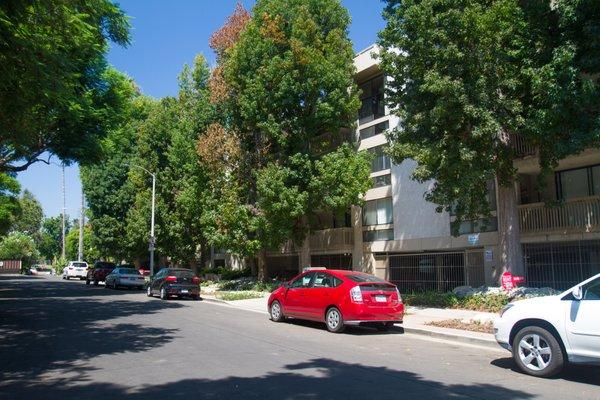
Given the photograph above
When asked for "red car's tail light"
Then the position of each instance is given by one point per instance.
(196, 280)
(171, 278)
(399, 297)
(356, 294)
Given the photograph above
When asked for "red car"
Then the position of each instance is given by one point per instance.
(338, 298)
(98, 272)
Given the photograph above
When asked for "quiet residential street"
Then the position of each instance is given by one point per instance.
(63, 340)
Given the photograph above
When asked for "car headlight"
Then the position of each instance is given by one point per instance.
(506, 308)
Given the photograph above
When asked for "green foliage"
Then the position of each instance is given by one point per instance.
(57, 93)
(471, 74)
(9, 202)
(242, 295)
(50, 241)
(30, 218)
(90, 253)
(478, 302)
(59, 264)
(19, 246)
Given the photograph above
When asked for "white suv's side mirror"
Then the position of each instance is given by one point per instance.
(578, 293)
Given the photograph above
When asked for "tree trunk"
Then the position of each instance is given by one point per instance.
(262, 266)
(509, 230)
(304, 258)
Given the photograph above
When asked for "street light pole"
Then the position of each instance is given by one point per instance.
(64, 210)
(152, 240)
(151, 246)
(81, 224)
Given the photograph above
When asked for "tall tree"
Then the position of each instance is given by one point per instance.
(291, 88)
(109, 193)
(9, 201)
(30, 218)
(57, 93)
(470, 75)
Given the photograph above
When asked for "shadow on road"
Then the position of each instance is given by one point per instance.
(57, 325)
(319, 378)
(588, 374)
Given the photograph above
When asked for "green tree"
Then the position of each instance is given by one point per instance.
(109, 193)
(50, 244)
(30, 218)
(9, 201)
(90, 253)
(291, 88)
(57, 93)
(469, 75)
(19, 246)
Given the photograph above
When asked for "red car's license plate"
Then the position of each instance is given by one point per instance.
(380, 298)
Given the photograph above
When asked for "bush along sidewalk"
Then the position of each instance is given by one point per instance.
(488, 299)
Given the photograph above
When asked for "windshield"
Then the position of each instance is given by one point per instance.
(128, 271)
(79, 265)
(364, 278)
(181, 273)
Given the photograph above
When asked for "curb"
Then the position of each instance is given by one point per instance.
(451, 336)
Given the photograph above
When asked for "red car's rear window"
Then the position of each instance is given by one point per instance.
(364, 278)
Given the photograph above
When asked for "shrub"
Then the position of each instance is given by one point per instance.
(239, 295)
(478, 302)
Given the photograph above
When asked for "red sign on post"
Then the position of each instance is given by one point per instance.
(510, 281)
(507, 281)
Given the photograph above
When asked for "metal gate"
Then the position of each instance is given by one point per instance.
(439, 272)
(561, 265)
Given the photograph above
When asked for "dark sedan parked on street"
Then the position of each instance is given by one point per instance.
(179, 282)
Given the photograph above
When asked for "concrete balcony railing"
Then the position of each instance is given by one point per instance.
(323, 240)
(523, 149)
(574, 215)
(332, 239)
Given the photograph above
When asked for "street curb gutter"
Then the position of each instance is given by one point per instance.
(415, 331)
(455, 338)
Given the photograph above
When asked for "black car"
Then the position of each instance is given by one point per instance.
(170, 282)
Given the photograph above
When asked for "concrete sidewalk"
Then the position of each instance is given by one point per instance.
(415, 320)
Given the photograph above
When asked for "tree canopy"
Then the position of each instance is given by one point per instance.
(9, 201)
(57, 93)
(31, 215)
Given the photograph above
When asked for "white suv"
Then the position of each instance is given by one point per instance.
(544, 333)
(75, 269)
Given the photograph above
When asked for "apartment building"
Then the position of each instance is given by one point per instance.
(399, 236)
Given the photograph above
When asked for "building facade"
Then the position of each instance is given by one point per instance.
(399, 236)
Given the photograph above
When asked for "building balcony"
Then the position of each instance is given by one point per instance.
(573, 216)
(325, 240)
(332, 239)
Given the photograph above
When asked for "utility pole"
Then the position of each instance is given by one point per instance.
(81, 225)
(64, 210)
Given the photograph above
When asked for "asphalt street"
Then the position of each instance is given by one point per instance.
(65, 340)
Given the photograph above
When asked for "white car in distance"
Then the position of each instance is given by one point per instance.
(545, 333)
(75, 269)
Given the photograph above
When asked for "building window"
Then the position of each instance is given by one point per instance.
(380, 160)
(382, 180)
(371, 98)
(374, 130)
(478, 226)
(378, 212)
(580, 182)
(382, 234)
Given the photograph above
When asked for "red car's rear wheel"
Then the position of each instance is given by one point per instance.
(334, 320)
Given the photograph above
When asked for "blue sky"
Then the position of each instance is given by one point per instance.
(166, 35)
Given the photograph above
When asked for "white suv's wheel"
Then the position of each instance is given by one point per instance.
(537, 352)
(334, 320)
